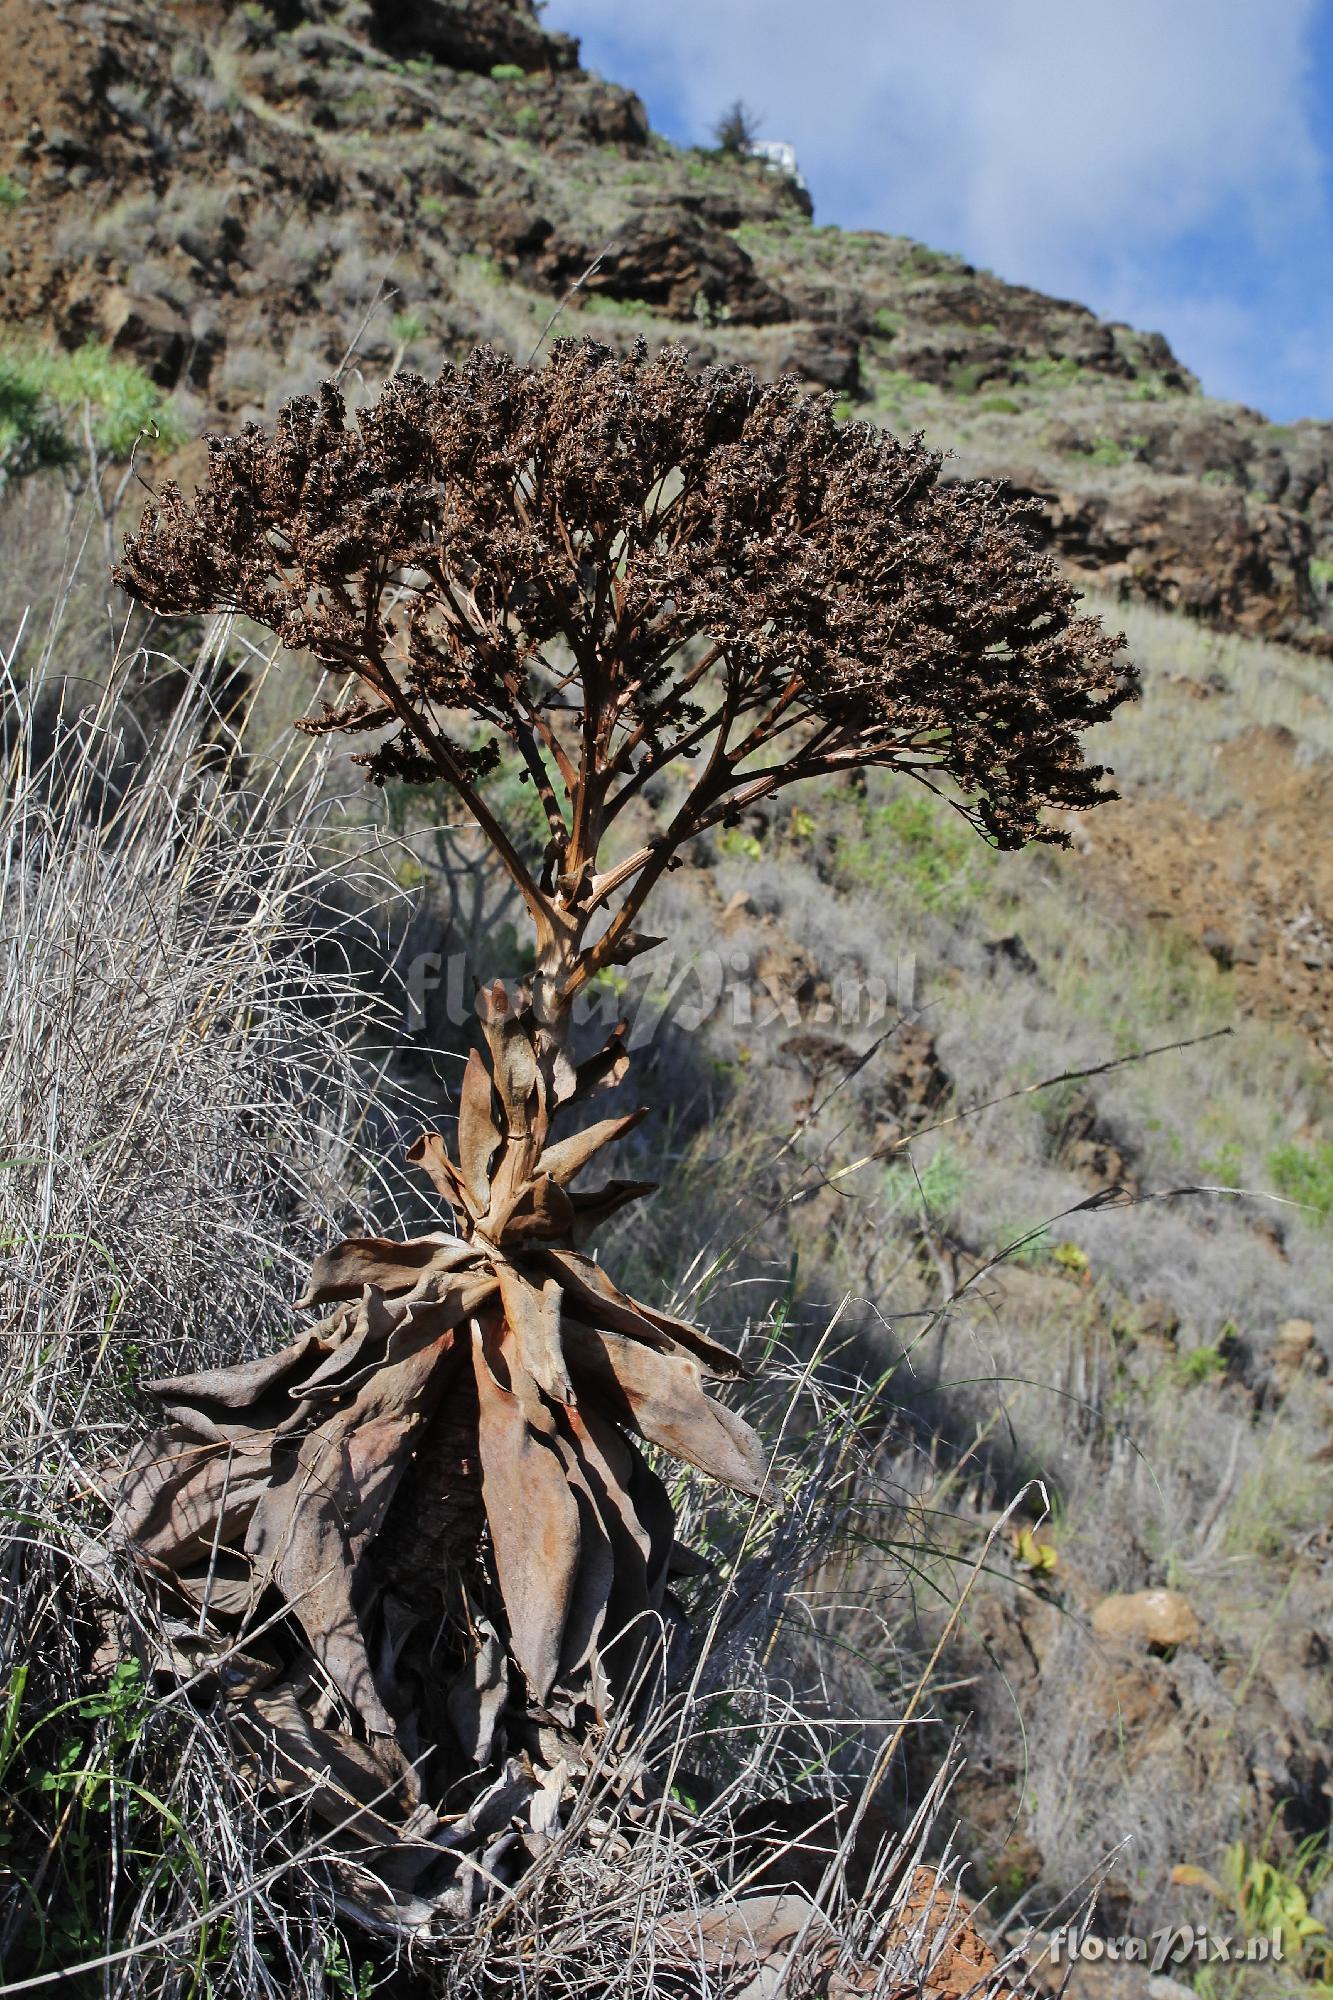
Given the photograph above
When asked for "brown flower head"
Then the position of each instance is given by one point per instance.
(609, 563)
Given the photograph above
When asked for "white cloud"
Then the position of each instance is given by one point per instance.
(1115, 153)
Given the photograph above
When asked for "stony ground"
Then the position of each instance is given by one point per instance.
(245, 198)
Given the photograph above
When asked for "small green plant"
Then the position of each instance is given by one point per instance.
(47, 396)
(1069, 1257)
(1000, 406)
(1031, 1245)
(486, 268)
(1201, 1364)
(885, 323)
(915, 844)
(626, 308)
(1271, 1898)
(1051, 368)
(923, 263)
(1321, 572)
(1037, 1557)
(1305, 1174)
(348, 1981)
(407, 327)
(430, 207)
(738, 846)
(1225, 1167)
(508, 73)
(12, 192)
(966, 377)
(937, 1187)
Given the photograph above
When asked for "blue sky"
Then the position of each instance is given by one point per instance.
(1167, 162)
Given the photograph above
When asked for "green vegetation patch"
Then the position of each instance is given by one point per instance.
(46, 396)
(12, 192)
(1305, 1174)
(915, 844)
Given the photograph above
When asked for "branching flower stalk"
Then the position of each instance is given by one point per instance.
(605, 567)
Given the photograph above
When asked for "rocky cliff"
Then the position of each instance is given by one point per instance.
(238, 195)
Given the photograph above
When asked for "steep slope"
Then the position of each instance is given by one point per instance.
(245, 198)
(225, 191)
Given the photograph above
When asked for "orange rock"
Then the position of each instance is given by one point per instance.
(1146, 1619)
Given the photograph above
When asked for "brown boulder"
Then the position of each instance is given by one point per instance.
(1293, 1353)
(146, 331)
(678, 262)
(1146, 1620)
(826, 357)
(471, 34)
(914, 1081)
(1210, 551)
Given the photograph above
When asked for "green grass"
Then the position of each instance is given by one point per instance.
(966, 377)
(1201, 1364)
(915, 843)
(12, 192)
(937, 1187)
(45, 393)
(1305, 1174)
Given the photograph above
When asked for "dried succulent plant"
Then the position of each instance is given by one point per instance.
(607, 564)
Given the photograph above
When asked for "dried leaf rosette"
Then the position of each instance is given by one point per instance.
(423, 1542)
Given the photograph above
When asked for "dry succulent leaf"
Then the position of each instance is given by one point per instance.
(568, 1157)
(174, 1490)
(308, 1532)
(392, 1267)
(509, 1037)
(603, 1456)
(478, 1134)
(229, 1403)
(222, 1587)
(652, 1504)
(541, 1212)
(476, 1699)
(595, 1578)
(593, 1207)
(602, 1301)
(430, 1153)
(350, 1786)
(602, 1071)
(534, 1522)
(661, 1396)
(532, 1310)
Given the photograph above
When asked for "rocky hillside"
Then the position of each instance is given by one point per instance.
(242, 199)
(225, 192)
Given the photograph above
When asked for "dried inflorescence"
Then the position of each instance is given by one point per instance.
(611, 563)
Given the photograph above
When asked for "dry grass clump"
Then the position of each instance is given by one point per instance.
(183, 1082)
